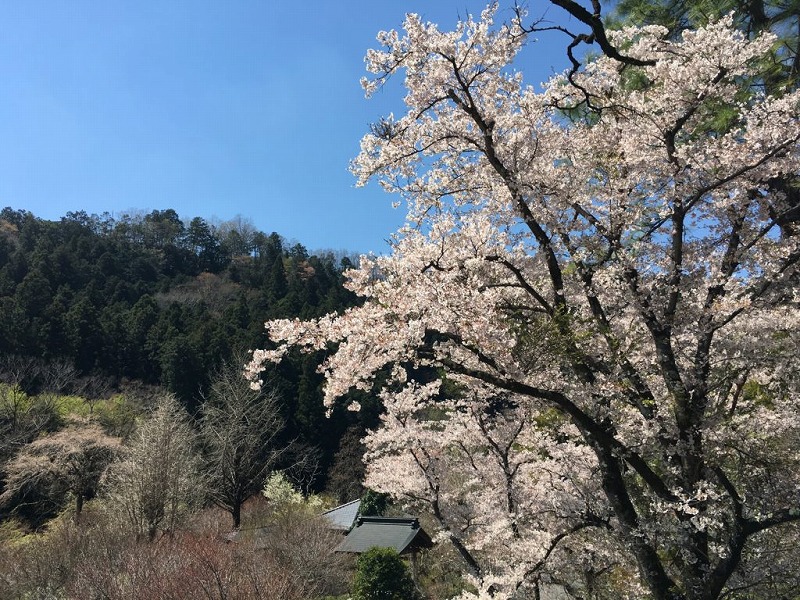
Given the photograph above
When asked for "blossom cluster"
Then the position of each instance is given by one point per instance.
(600, 270)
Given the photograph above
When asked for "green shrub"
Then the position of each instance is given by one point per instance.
(373, 504)
(382, 575)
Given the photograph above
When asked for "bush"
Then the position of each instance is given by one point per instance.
(382, 575)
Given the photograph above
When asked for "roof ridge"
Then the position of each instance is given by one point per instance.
(378, 519)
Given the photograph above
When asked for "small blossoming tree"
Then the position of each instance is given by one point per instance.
(599, 274)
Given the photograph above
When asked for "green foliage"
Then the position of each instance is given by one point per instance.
(756, 394)
(284, 497)
(160, 300)
(75, 406)
(373, 504)
(11, 532)
(634, 79)
(22, 418)
(347, 467)
(439, 573)
(117, 415)
(13, 398)
(782, 17)
(382, 575)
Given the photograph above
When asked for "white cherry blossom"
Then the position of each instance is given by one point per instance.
(598, 271)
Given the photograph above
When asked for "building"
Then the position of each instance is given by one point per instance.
(403, 534)
(342, 518)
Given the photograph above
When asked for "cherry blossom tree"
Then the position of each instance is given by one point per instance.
(597, 274)
(71, 460)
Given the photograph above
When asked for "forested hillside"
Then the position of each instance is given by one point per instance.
(162, 300)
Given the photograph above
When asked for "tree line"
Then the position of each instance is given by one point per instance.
(155, 300)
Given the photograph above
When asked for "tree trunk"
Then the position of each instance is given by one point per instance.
(78, 506)
(236, 514)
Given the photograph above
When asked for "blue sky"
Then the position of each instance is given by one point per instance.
(213, 108)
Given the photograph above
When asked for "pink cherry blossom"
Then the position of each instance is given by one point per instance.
(602, 277)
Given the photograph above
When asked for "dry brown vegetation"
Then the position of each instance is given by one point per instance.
(96, 558)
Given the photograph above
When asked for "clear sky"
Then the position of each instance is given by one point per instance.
(212, 108)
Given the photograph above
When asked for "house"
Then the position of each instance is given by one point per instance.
(403, 534)
(342, 518)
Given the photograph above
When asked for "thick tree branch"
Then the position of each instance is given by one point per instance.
(594, 432)
(591, 521)
(598, 31)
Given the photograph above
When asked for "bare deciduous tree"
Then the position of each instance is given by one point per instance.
(239, 430)
(159, 480)
(29, 388)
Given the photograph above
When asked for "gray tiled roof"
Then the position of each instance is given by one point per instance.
(402, 534)
(342, 517)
